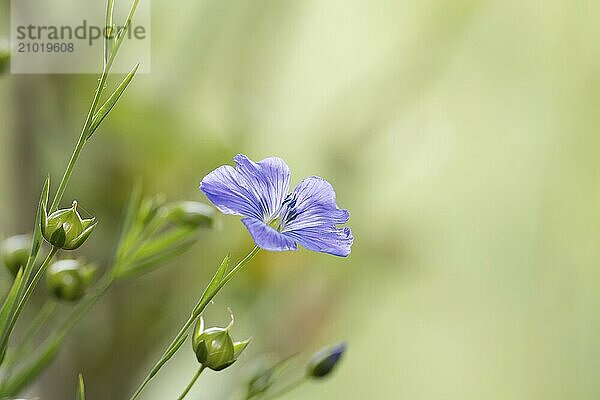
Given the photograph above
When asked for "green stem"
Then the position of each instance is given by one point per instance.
(235, 269)
(286, 389)
(47, 350)
(108, 62)
(34, 281)
(80, 142)
(191, 384)
(23, 349)
(204, 301)
(39, 320)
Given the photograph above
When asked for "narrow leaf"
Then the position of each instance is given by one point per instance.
(123, 31)
(80, 389)
(213, 286)
(108, 26)
(40, 219)
(7, 307)
(130, 214)
(169, 239)
(111, 102)
(148, 264)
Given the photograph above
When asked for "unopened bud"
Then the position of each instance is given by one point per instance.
(66, 229)
(214, 347)
(191, 213)
(68, 280)
(15, 252)
(324, 361)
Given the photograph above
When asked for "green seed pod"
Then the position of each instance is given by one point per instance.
(214, 347)
(66, 229)
(15, 252)
(324, 361)
(68, 280)
(191, 213)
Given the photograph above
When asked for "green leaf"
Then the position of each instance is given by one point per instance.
(80, 388)
(111, 102)
(123, 31)
(8, 306)
(125, 238)
(110, 6)
(159, 250)
(213, 286)
(41, 216)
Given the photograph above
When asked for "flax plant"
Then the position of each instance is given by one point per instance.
(153, 232)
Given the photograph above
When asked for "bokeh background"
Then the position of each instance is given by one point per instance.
(462, 135)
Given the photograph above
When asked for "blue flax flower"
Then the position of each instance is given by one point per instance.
(279, 220)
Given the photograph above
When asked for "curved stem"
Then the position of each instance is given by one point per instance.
(204, 301)
(191, 384)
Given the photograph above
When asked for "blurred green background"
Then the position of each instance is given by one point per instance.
(462, 136)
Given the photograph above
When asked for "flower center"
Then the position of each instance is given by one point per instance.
(286, 214)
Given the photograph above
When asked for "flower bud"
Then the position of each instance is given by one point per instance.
(214, 347)
(324, 361)
(15, 252)
(191, 213)
(68, 280)
(66, 229)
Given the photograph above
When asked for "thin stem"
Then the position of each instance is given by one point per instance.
(46, 351)
(39, 320)
(286, 389)
(108, 62)
(83, 307)
(23, 349)
(81, 141)
(34, 281)
(204, 301)
(207, 298)
(191, 384)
